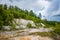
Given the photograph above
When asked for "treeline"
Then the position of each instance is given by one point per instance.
(7, 14)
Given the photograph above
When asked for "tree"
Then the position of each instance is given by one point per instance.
(11, 8)
(5, 6)
(40, 15)
(31, 13)
(16, 8)
(26, 12)
(1, 8)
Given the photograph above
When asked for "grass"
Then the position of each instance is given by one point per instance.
(41, 33)
(45, 34)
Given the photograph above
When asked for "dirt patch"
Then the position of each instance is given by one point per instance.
(31, 37)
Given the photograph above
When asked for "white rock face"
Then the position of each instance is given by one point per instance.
(17, 27)
(42, 24)
(23, 23)
(40, 30)
(7, 27)
(20, 23)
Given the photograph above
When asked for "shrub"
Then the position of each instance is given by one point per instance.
(29, 25)
(12, 27)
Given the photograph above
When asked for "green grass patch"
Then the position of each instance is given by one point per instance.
(45, 34)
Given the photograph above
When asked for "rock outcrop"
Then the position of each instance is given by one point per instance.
(23, 23)
(20, 23)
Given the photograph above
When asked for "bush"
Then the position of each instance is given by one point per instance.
(13, 27)
(29, 25)
(57, 30)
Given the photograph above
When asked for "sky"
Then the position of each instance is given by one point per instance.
(48, 8)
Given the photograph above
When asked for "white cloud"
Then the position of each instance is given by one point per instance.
(46, 6)
(51, 8)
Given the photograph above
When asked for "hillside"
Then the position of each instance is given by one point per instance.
(13, 18)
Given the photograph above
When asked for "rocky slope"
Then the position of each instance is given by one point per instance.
(26, 33)
(31, 37)
(22, 35)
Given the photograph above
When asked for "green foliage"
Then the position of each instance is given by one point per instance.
(5, 17)
(29, 25)
(57, 29)
(31, 13)
(5, 7)
(49, 34)
(12, 26)
(53, 24)
(38, 25)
